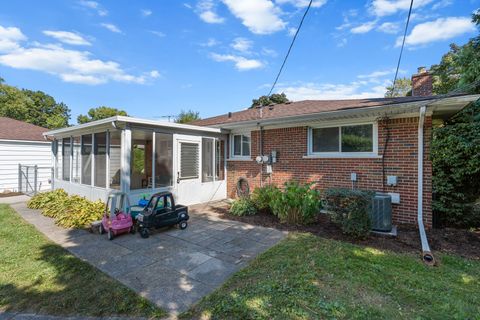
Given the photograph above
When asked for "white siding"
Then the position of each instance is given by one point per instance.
(26, 153)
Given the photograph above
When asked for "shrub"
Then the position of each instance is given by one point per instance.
(263, 197)
(350, 209)
(68, 211)
(297, 204)
(243, 207)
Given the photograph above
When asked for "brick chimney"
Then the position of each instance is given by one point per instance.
(422, 83)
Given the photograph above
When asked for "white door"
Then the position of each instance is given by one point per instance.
(188, 177)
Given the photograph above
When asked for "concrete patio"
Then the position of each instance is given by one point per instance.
(173, 268)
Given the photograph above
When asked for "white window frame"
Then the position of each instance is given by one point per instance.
(232, 149)
(339, 154)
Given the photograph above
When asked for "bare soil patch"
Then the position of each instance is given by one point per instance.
(9, 194)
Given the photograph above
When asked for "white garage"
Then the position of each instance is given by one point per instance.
(23, 144)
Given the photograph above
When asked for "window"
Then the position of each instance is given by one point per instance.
(163, 160)
(66, 159)
(114, 155)
(219, 159)
(59, 160)
(86, 151)
(207, 159)
(189, 160)
(76, 165)
(353, 139)
(100, 153)
(141, 160)
(240, 146)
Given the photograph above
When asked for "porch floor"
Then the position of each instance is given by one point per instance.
(172, 268)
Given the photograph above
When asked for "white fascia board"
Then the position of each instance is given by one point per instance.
(26, 141)
(130, 120)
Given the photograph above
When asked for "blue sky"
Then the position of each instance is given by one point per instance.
(154, 58)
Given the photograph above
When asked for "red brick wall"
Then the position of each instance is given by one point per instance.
(400, 160)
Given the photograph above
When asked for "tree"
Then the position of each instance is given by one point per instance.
(187, 116)
(35, 107)
(99, 113)
(459, 68)
(275, 98)
(403, 88)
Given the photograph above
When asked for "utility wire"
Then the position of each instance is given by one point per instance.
(403, 45)
(290, 48)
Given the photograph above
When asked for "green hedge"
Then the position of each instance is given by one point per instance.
(263, 197)
(68, 211)
(350, 210)
(243, 207)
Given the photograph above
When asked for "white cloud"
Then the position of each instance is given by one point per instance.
(242, 44)
(146, 12)
(158, 33)
(291, 31)
(111, 27)
(259, 16)
(438, 30)
(9, 38)
(206, 11)
(211, 42)
(388, 7)
(389, 27)
(363, 28)
(302, 3)
(69, 65)
(329, 91)
(94, 6)
(442, 4)
(241, 63)
(68, 37)
(269, 52)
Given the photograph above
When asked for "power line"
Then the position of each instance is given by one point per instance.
(290, 48)
(403, 45)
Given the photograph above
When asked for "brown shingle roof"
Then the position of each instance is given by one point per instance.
(303, 108)
(11, 129)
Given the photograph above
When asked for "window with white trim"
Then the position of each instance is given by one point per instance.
(240, 146)
(358, 139)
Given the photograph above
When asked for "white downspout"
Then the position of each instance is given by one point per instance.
(427, 256)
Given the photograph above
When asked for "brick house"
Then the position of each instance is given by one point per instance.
(332, 142)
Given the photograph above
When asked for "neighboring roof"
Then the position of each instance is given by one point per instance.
(11, 129)
(305, 107)
(138, 121)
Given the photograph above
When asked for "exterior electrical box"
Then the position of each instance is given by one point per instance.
(381, 212)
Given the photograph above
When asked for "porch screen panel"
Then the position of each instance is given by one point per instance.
(100, 153)
(219, 159)
(66, 159)
(207, 159)
(115, 159)
(86, 177)
(163, 160)
(76, 162)
(58, 171)
(189, 160)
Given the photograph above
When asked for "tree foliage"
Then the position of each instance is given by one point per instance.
(459, 68)
(275, 98)
(35, 107)
(187, 116)
(403, 88)
(99, 113)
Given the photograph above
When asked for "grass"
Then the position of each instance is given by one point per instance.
(307, 277)
(39, 276)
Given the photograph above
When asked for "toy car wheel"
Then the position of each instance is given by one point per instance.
(183, 225)
(144, 233)
(110, 234)
(132, 230)
(101, 229)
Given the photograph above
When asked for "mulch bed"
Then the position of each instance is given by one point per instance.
(464, 243)
(9, 194)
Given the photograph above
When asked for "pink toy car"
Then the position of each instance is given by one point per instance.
(116, 217)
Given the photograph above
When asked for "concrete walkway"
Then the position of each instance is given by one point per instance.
(173, 268)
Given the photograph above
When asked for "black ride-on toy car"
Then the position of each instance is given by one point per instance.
(161, 211)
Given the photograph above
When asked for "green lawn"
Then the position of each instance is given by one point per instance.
(37, 275)
(307, 277)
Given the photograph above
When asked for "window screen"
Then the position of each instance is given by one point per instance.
(357, 138)
(325, 140)
(207, 159)
(188, 160)
(86, 177)
(66, 151)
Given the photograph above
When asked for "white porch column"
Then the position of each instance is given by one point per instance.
(126, 153)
